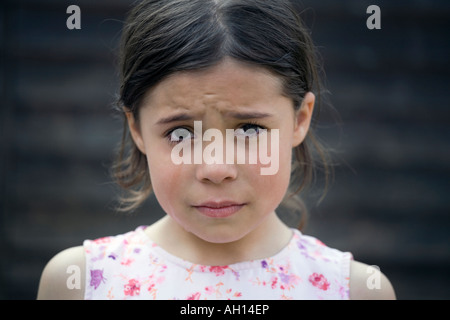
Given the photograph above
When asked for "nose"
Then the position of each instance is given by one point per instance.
(214, 166)
(216, 173)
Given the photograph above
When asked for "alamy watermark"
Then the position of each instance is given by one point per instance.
(73, 282)
(374, 20)
(374, 279)
(74, 20)
(251, 147)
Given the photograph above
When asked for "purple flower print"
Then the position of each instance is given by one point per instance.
(300, 245)
(113, 256)
(288, 280)
(264, 264)
(284, 277)
(97, 278)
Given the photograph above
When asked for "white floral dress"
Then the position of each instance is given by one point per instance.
(131, 266)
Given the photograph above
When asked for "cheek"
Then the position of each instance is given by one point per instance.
(272, 187)
(168, 187)
(165, 176)
(281, 180)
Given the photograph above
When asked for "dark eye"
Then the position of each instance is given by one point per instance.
(248, 130)
(179, 134)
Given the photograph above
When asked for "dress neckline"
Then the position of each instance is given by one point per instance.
(188, 265)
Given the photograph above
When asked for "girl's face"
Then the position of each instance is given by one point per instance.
(219, 202)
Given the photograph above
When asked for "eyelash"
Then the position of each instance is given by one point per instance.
(168, 134)
(254, 124)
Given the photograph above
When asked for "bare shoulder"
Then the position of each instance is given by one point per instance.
(369, 283)
(63, 276)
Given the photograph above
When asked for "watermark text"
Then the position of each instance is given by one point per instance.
(74, 20)
(374, 20)
(252, 147)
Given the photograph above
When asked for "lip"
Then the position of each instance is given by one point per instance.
(219, 209)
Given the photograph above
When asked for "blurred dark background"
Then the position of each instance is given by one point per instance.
(389, 204)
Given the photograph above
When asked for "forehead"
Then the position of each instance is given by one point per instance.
(230, 82)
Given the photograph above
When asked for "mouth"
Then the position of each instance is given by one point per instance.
(220, 209)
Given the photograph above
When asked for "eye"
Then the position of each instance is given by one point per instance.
(179, 134)
(249, 130)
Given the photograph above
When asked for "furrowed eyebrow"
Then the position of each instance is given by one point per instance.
(242, 115)
(232, 114)
(175, 118)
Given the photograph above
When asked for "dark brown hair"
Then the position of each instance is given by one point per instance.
(161, 37)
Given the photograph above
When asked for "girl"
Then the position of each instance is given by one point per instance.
(244, 65)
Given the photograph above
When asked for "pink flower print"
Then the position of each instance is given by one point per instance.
(343, 292)
(194, 296)
(96, 278)
(152, 288)
(319, 281)
(274, 281)
(102, 240)
(132, 288)
(218, 270)
(127, 262)
(320, 243)
(209, 290)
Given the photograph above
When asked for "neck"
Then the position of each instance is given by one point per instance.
(264, 241)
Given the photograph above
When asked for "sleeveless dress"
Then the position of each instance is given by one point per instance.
(131, 266)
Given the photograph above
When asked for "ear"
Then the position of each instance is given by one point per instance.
(303, 119)
(135, 131)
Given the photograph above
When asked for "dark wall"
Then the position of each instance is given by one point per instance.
(388, 204)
